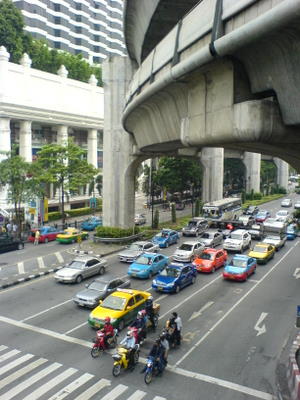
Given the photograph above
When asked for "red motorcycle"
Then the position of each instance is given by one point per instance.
(100, 345)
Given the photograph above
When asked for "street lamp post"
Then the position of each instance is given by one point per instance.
(151, 193)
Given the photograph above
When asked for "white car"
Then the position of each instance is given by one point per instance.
(212, 238)
(80, 268)
(136, 249)
(283, 215)
(278, 241)
(239, 240)
(297, 204)
(286, 203)
(187, 251)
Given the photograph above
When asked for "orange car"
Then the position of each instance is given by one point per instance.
(210, 260)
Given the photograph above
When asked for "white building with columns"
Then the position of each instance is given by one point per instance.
(37, 108)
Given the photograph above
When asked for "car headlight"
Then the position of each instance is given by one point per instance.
(154, 282)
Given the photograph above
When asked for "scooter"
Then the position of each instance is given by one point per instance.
(151, 369)
(121, 360)
(99, 346)
(171, 336)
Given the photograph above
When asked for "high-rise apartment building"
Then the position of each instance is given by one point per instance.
(92, 28)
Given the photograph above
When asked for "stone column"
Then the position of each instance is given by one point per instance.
(212, 160)
(92, 156)
(252, 164)
(5, 145)
(282, 172)
(119, 163)
(62, 134)
(26, 140)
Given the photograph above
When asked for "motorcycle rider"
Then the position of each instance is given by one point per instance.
(150, 311)
(140, 324)
(129, 343)
(165, 343)
(157, 352)
(108, 330)
(178, 329)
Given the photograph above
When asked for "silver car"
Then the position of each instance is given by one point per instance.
(81, 268)
(278, 241)
(212, 238)
(187, 251)
(140, 219)
(97, 290)
(136, 249)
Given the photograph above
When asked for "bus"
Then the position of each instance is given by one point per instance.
(223, 210)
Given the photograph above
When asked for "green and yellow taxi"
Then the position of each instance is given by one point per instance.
(72, 235)
(121, 306)
(263, 252)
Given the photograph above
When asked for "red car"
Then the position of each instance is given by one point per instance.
(47, 233)
(210, 260)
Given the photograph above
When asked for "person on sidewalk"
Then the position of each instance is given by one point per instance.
(37, 237)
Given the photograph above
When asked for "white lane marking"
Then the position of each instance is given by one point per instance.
(76, 327)
(198, 313)
(159, 398)
(113, 394)
(192, 295)
(44, 311)
(21, 268)
(138, 395)
(59, 257)
(93, 390)
(232, 308)
(44, 331)
(36, 394)
(28, 382)
(260, 329)
(14, 363)
(253, 280)
(2, 347)
(296, 274)
(16, 375)
(161, 297)
(40, 262)
(9, 354)
(64, 392)
(223, 383)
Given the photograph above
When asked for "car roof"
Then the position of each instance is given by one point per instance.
(261, 244)
(149, 255)
(85, 258)
(189, 242)
(127, 293)
(240, 231)
(241, 256)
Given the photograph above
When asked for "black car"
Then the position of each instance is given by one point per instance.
(251, 210)
(97, 290)
(8, 243)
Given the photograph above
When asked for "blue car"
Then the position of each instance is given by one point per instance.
(147, 265)
(166, 237)
(240, 268)
(91, 223)
(291, 232)
(174, 277)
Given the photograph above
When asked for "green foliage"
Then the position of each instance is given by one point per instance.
(264, 199)
(268, 172)
(257, 196)
(173, 212)
(243, 194)
(198, 207)
(252, 194)
(96, 184)
(65, 166)
(156, 219)
(55, 215)
(112, 232)
(296, 214)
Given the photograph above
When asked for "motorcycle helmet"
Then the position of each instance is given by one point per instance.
(163, 336)
(139, 314)
(107, 320)
(129, 334)
(143, 313)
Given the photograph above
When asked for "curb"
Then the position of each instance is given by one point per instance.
(40, 274)
(293, 373)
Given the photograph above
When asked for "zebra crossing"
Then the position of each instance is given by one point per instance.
(27, 377)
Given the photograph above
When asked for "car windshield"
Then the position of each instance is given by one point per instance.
(207, 235)
(236, 236)
(76, 264)
(114, 303)
(239, 263)
(207, 256)
(174, 272)
(260, 249)
(100, 286)
(282, 213)
(291, 229)
(192, 223)
(261, 214)
(186, 247)
(143, 260)
(135, 247)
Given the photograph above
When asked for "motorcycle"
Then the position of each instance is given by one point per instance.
(171, 336)
(138, 334)
(100, 345)
(149, 323)
(121, 360)
(151, 369)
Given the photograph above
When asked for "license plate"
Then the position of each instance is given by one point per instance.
(133, 274)
(97, 326)
(159, 288)
(80, 303)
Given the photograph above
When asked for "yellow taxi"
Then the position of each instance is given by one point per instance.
(71, 235)
(263, 252)
(121, 306)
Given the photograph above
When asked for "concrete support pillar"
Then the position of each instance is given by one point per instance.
(62, 134)
(282, 172)
(212, 160)
(5, 146)
(252, 163)
(119, 165)
(26, 140)
(92, 156)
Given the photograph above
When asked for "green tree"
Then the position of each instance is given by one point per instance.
(198, 207)
(173, 212)
(12, 34)
(65, 166)
(16, 174)
(178, 174)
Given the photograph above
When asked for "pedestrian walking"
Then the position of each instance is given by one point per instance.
(178, 331)
(37, 237)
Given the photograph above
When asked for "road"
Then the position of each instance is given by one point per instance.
(233, 338)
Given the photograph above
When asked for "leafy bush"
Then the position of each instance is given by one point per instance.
(257, 196)
(55, 215)
(112, 232)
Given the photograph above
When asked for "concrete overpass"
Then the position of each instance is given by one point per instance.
(215, 74)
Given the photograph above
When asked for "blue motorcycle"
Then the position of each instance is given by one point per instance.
(151, 369)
